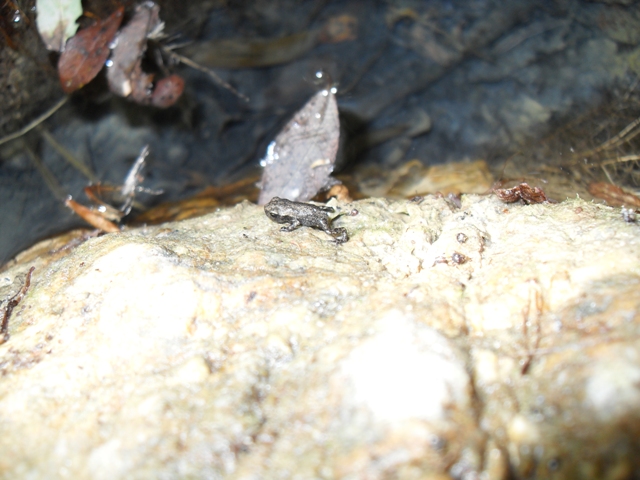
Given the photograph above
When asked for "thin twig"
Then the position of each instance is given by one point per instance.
(623, 159)
(624, 135)
(68, 156)
(606, 172)
(47, 175)
(30, 126)
(364, 69)
(216, 78)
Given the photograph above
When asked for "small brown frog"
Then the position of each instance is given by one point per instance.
(299, 214)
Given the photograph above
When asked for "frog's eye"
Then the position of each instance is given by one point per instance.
(272, 214)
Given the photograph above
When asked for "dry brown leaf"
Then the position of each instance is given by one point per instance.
(524, 192)
(613, 195)
(92, 217)
(86, 52)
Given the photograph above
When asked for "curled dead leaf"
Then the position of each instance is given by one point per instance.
(524, 192)
(125, 75)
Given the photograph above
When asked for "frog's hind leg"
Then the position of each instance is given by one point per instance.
(291, 227)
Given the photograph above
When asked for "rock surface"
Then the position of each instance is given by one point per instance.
(487, 341)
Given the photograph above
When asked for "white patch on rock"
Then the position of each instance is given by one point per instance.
(407, 371)
(613, 388)
(107, 461)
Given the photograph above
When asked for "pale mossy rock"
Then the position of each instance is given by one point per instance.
(489, 341)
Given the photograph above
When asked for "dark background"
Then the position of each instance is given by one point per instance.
(495, 78)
